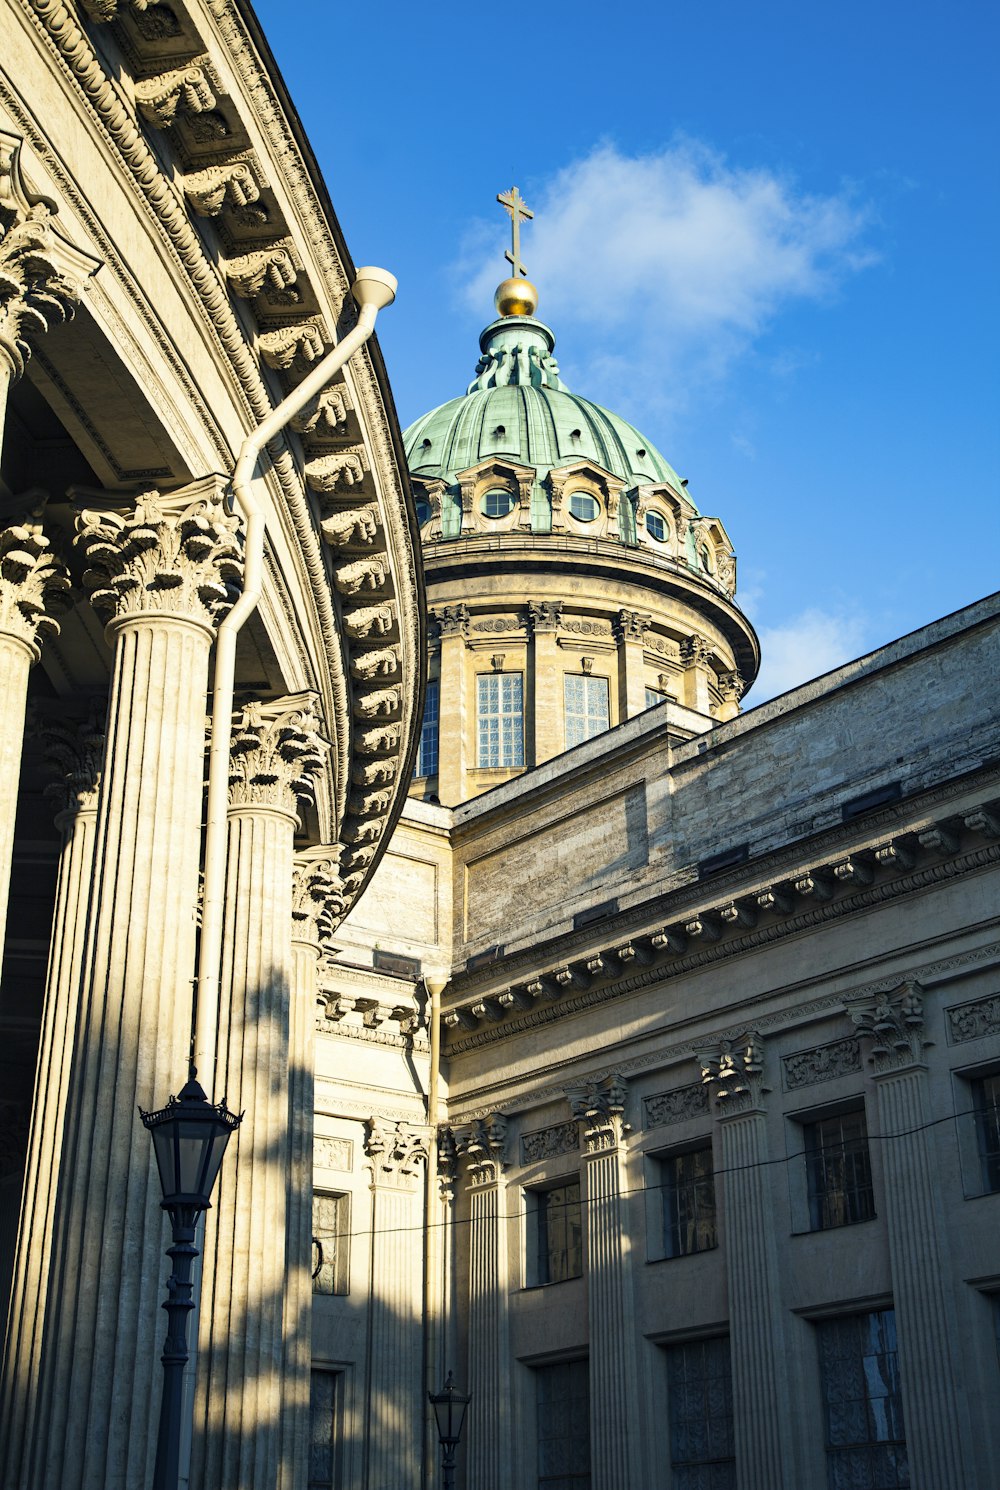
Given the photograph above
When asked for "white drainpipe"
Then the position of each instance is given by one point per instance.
(372, 290)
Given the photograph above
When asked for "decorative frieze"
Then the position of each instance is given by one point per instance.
(973, 1020)
(550, 1143)
(894, 1023)
(176, 553)
(676, 1106)
(333, 1153)
(822, 1063)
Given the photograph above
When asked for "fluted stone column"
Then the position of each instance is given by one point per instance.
(394, 1401)
(76, 752)
(161, 572)
(453, 626)
(760, 1390)
(630, 634)
(934, 1411)
(316, 903)
(34, 586)
(276, 754)
(547, 706)
(488, 1436)
(614, 1378)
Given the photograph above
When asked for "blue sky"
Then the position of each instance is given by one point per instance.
(767, 234)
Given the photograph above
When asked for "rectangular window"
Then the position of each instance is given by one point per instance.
(865, 1441)
(688, 1202)
(427, 752)
(700, 1413)
(838, 1171)
(558, 1233)
(587, 707)
(562, 1401)
(326, 1433)
(986, 1107)
(500, 717)
(331, 1232)
(654, 697)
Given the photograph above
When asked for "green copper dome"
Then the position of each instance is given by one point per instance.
(517, 408)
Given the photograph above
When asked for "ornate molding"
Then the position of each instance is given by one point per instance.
(41, 273)
(733, 1071)
(822, 1063)
(894, 1023)
(550, 1143)
(394, 1152)
(973, 1020)
(174, 554)
(598, 1106)
(678, 1105)
(34, 584)
(276, 754)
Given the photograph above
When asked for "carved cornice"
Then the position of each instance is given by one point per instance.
(394, 1152)
(41, 273)
(276, 754)
(34, 584)
(894, 1023)
(74, 753)
(174, 554)
(599, 1108)
(733, 1071)
(484, 1144)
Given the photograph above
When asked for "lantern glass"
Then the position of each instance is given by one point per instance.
(449, 1409)
(189, 1140)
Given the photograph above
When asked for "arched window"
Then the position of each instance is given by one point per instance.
(584, 507)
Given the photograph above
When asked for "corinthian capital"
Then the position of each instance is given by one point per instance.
(34, 584)
(733, 1070)
(277, 753)
(176, 554)
(894, 1023)
(599, 1108)
(74, 753)
(394, 1151)
(484, 1143)
(318, 897)
(40, 271)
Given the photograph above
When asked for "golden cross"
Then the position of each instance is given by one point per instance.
(514, 203)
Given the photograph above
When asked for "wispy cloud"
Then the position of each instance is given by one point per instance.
(805, 646)
(679, 259)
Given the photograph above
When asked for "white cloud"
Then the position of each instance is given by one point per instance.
(678, 259)
(804, 647)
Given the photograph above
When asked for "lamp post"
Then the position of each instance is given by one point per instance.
(449, 1409)
(189, 1140)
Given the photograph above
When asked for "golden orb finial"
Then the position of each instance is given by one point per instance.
(516, 297)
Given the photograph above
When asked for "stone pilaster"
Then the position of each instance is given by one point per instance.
(488, 1435)
(734, 1073)
(41, 272)
(630, 634)
(731, 689)
(34, 586)
(76, 754)
(452, 623)
(316, 902)
(395, 1405)
(929, 1353)
(599, 1108)
(698, 673)
(276, 754)
(547, 706)
(161, 571)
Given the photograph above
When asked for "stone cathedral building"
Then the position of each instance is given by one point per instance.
(634, 1057)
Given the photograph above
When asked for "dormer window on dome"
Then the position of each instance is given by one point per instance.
(656, 527)
(584, 507)
(497, 502)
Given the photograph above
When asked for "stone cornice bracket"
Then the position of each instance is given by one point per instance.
(631, 626)
(176, 553)
(34, 585)
(484, 1144)
(191, 89)
(336, 474)
(276, 753)
(599, 1108)
(544, 615)
(234, 184)
(302, 339)
(318, 899)
(41, 273)
(271, 270)
(74, 753)
(394, 1151)
(325, 416)
(894, 1022)
(733, 1070)
(451, 620)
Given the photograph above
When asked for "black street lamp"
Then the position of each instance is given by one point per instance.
(449, 1409)
(189, 1140)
